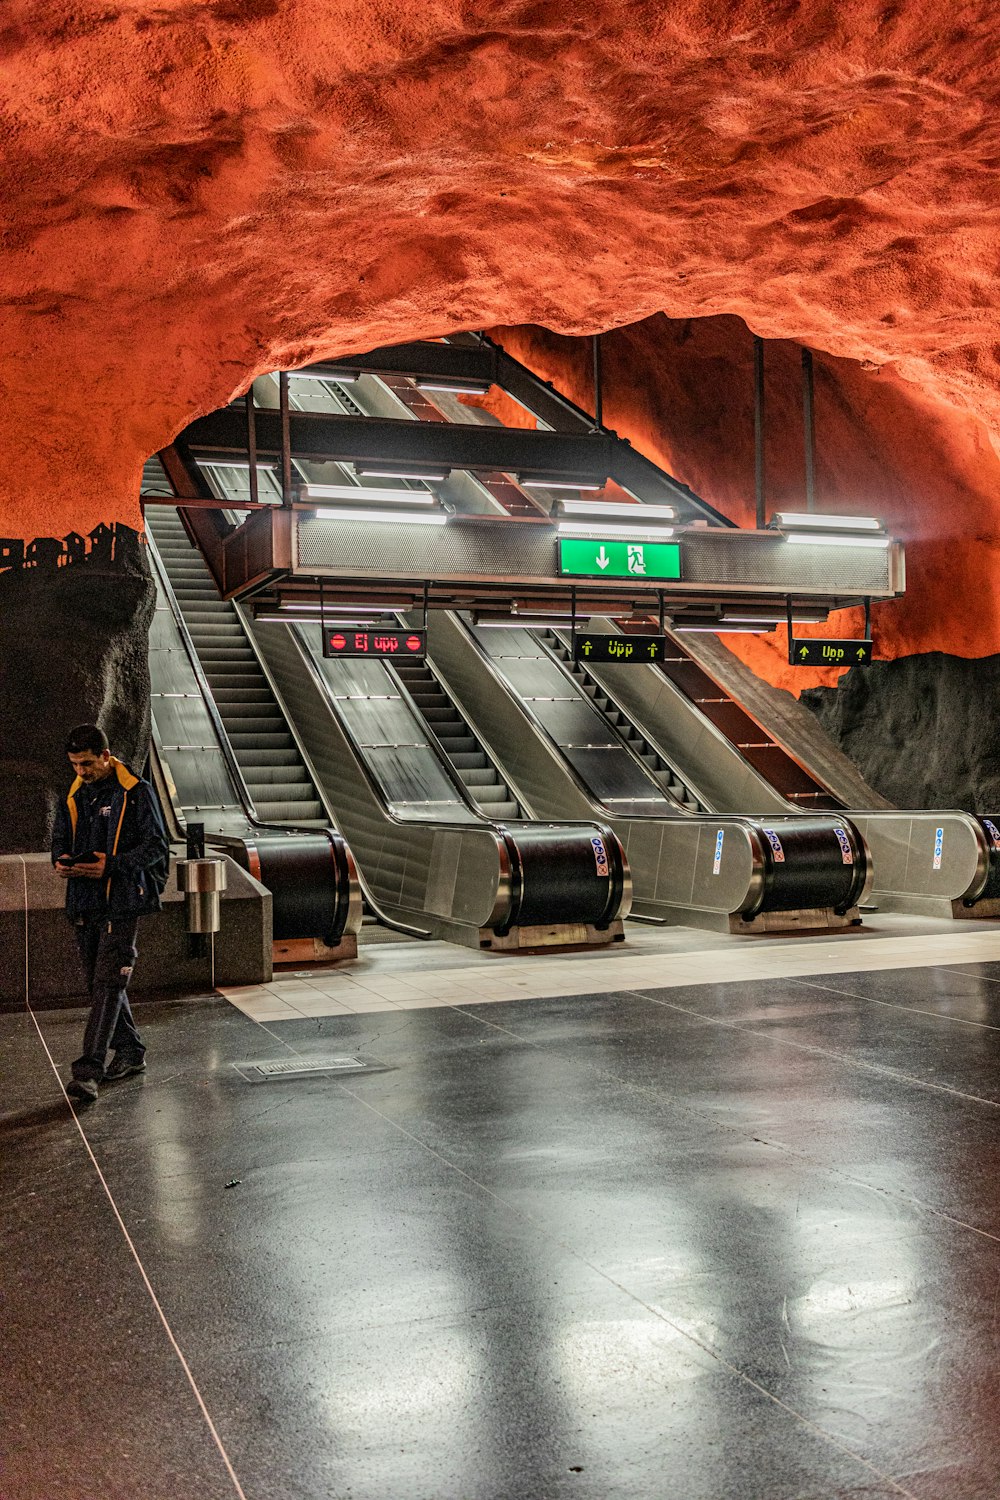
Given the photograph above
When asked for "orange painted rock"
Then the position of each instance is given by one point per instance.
(191, 194)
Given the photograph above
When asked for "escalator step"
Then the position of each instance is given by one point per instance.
(283, 760)
(490, 794)
(289, 812)
(261, 742)
(282, 791)
(468, 760)
(457, 744)
(232, 697)
(483, 775)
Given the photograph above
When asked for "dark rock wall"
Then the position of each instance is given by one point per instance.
(922, 730)
(74, 641)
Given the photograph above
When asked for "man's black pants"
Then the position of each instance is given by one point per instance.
(108, 951)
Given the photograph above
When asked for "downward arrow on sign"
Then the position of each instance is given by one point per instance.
(602, 558)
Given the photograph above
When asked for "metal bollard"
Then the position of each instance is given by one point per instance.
(202, 881)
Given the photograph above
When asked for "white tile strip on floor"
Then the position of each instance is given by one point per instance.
(370, 988)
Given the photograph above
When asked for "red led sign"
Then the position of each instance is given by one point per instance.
(398, 644)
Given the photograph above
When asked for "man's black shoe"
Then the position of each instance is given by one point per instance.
(84, 1089)
(120, 1067)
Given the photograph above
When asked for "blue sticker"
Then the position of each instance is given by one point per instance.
(938, 846)
(717, 862)
(846, 852)
(994, 832)
(775, 843)
(600, 855)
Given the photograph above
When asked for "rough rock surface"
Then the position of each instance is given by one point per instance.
(73, 650)
(923, 730)
(193, 192)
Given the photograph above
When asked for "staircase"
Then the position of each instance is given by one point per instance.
(486, 787)
(661, 771)
(265, 750)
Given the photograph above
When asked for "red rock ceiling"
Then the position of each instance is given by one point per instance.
(196, 190)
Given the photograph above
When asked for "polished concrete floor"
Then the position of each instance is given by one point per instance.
(685, 1241)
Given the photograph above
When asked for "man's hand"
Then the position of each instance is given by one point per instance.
(64, 871)
(93, 869)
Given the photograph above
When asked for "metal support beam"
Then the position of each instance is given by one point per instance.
(809, 428)
(375, 440)
(628, 468)
(598, 387)
(422, 361)
(758, 431)
(285, 439)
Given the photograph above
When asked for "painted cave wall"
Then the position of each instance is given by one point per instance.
(190, 195)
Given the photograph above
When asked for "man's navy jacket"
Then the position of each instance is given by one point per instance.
(134, 843)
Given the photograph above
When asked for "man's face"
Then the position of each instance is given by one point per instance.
(90, 767)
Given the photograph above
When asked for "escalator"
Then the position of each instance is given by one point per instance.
(666, 776)
(486, 788)
(233, 766)
(697, 706)
(435, 850)
(265, 749)
(569, 748)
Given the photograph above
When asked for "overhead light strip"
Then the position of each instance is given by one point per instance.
(350, 513)
(793, 520)
(831, 539)
(377, 494)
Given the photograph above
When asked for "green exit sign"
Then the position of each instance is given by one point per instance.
(819, 653)
(607, 558)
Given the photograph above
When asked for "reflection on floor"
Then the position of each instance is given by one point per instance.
(415, 975)
(686, 1241)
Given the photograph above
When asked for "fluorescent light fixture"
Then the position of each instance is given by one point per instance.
(558, 482)
(793, 520)
(342, 377)
(381, 471)
(378, 494)
(335, 622)
(830, 539)
(332, 609)
(235, 463)
(635, 533)
(349, 513)
(719, 629)
(810, 617)
(589, 510)
(512, 622)
(453, 387)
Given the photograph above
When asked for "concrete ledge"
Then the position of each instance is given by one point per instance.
(38, 956)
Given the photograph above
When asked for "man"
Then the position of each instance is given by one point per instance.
(110, 847)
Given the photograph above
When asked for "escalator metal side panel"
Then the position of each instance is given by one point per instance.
(454, 874)
(925, 861)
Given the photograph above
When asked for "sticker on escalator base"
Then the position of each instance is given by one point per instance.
(993, 831)
(775, 843)
(938, 846)
(600, 855)
(717, 861)
(846, 852)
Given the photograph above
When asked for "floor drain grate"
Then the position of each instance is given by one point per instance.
(303, 1067)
